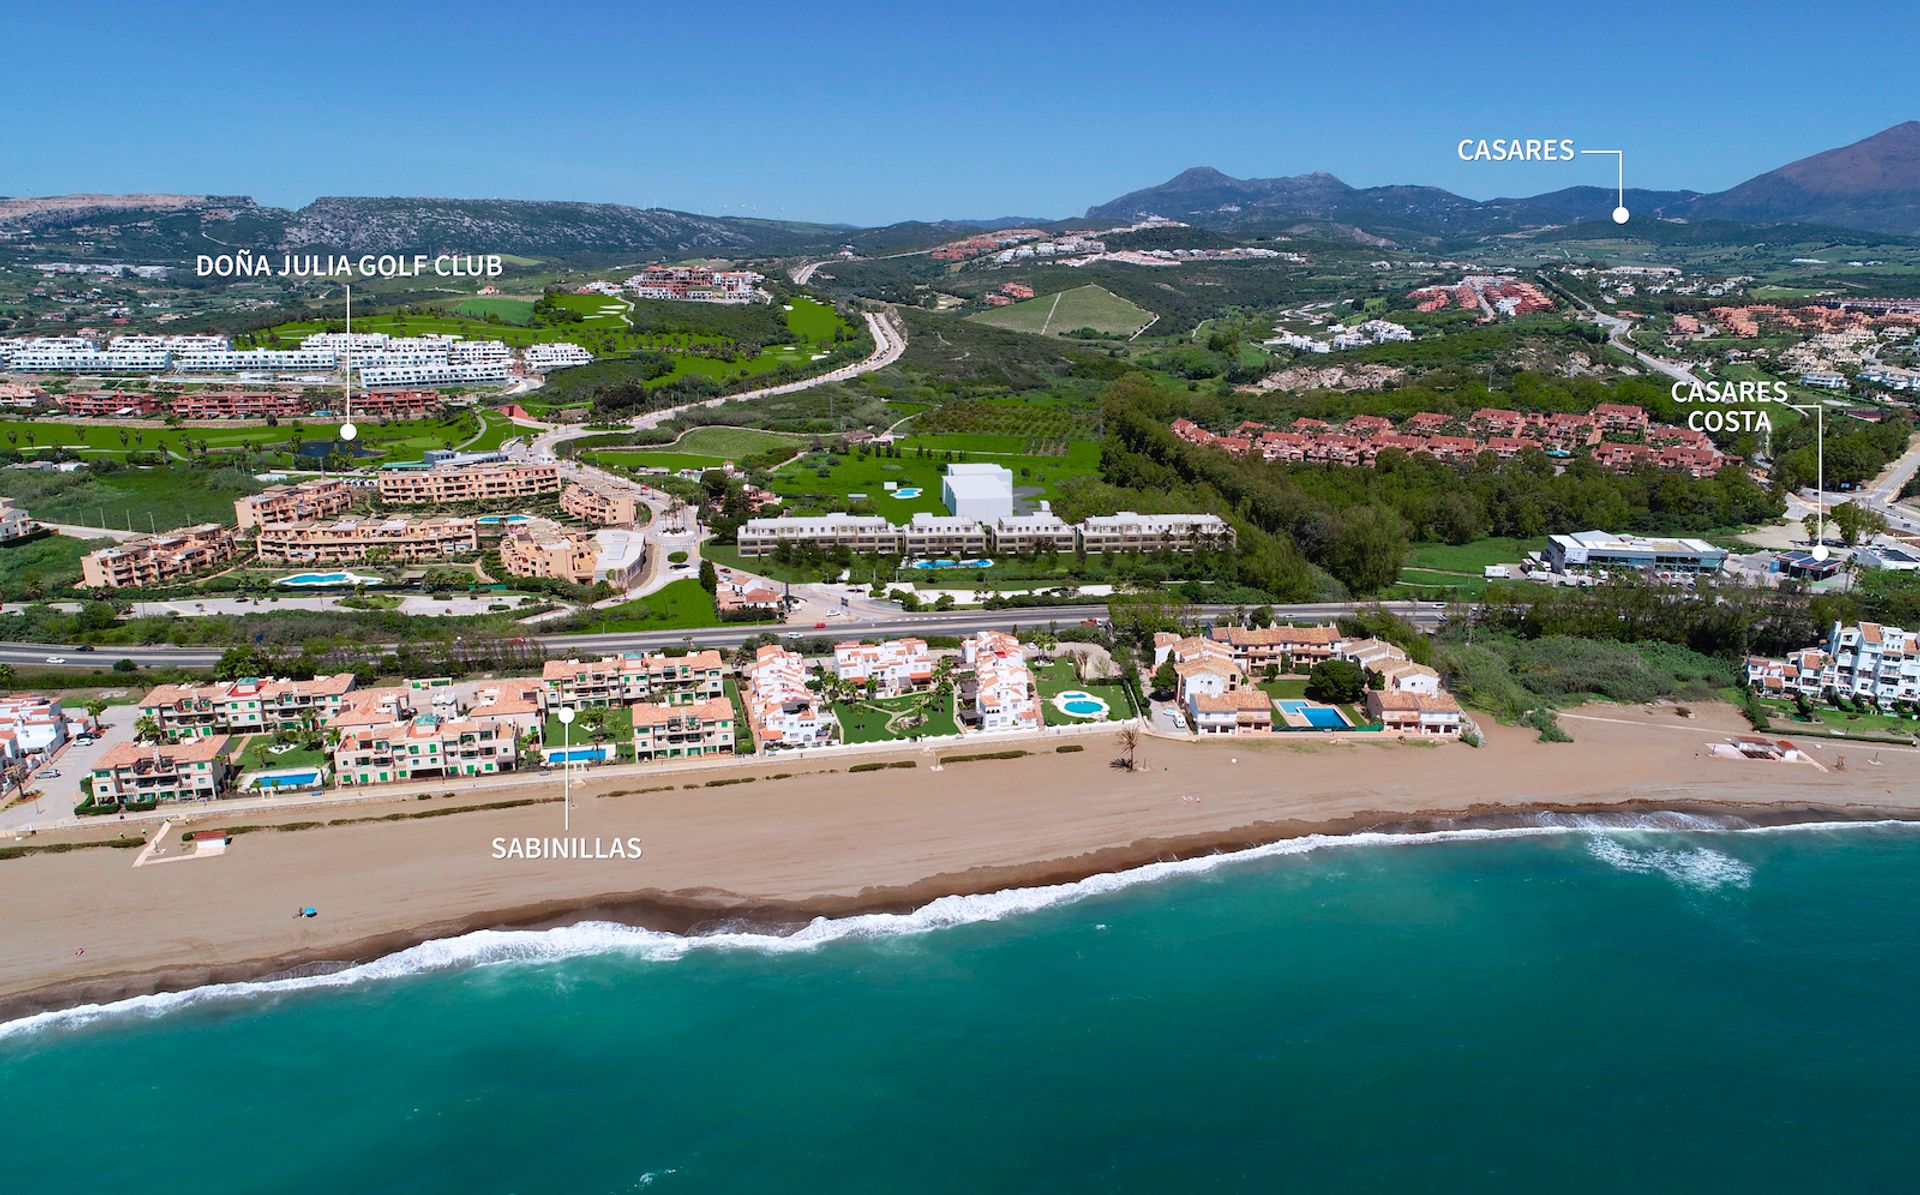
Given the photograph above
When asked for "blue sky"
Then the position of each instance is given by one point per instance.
(869, 113)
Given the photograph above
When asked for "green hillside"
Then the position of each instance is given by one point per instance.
(1068, 311)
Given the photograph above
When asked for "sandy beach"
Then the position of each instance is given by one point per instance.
(86, 925)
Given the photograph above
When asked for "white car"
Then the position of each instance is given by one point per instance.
(56, 659)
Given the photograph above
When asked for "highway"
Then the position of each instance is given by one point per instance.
(943, 622)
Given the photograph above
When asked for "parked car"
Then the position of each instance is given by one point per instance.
(50, 774)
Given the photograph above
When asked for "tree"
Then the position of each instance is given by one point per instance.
(1165, 678)
(1368, 549)
(1337, 681)
(1856, 522)
(709, 577)
(1128, 740)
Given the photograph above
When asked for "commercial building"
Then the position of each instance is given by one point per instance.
(683, 731)
(246, 706)
(394, 538)
(157, 559)
(976, 491)
(783, 712)
(422, 748)
(892, 666)
(631, 679)
(135, 773)
(600, 502)
(1585, 551)
(412, 485)
(300, 500)
(1003, 696)
(540, 548)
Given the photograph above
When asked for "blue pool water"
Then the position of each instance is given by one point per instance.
(305, 779)
(1325, 717)
(907, 491)
(951, 563)
(325, 579)
(1081, 704)
(579, 754)
(491, 520)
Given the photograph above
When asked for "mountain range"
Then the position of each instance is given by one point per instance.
(1872, 185)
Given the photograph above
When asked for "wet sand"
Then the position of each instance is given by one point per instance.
(87, 926)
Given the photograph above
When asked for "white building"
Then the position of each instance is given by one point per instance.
(301, 360)
(894, 666)
(558, 355)
(975, 491)
(782, 710)
(1005, 697)
(14, 522)
(380, 377)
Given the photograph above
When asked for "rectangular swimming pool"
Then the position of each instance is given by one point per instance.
(1320, 717)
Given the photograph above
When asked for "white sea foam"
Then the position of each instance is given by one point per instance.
(1699, 867)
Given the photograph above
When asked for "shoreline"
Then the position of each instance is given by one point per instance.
(774, 856)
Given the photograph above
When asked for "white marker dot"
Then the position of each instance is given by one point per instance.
(348, 431)
(1620, 215)
(566, 713)
(1819, 551)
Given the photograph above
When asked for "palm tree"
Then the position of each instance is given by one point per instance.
(1128, 740)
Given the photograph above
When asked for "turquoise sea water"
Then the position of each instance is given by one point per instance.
(1568, 1012)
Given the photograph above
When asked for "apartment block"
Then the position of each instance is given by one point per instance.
(14, 521)
(412, 485)
(423, 748)
(893, 666)
(1254, 648)
(783, 712)
(354, 540)
(232, 405)
(1004, 696)
(1028, 535)
(943, 537)
(298, 501)
(137, 773)
(683, 731)
(109, 404)
(157, 559)
(863, 534)
(632, 679)
(601, 503)
(1130, 532)
(1404, 712)
(541, 548)
(247, 706)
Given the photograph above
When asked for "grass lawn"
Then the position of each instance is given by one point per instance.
(742, 731)
(1058, 678)
(801, 483)
(681, 604)
(863, 721)
(812, 320)
(1471, 558)
(618, 729)
(514, 311)
(255, 755)
(399, 440)
(1087, 306)
(1830, 720)
(159, 498)
(701, 448)
(48, 563)
(1285, 689)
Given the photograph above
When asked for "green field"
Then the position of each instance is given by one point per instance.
(700, 448)
(32, 567)
(399, 440)
(513, 311)
(1058, 677)
(255, 756)
(1833, 721)
(1066, 311)
(806, 490)
(865, 721)
(131, 499)
(616, 726)
(681, 604)
(1438, 571)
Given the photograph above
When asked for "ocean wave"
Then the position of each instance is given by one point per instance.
(1699, 867)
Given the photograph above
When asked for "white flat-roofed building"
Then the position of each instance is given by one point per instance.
(255, 361)
(1586, 550)
(976, 491)
(341, 342)
(474, 374)
(1044, 531)
(1130, 532)
(35, 358)
(932, 537)
(478, 352)
(1004, 695)
(556, 355)
(14, 521)
(172, 344)
(892, 666)
(858, 533)
(782, 710)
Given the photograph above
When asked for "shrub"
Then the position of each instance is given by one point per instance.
(1068, 748)
(882, 765)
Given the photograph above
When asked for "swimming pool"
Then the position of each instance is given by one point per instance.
(951, 563)
(310, 579)
(494, 520)
(1080, 704)
(1320, 717)
(907, 491)
(579, 754)
(309, 778)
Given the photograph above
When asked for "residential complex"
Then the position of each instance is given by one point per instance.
(1002, 694)
(157, 559)
(603, 503)
(14, 522)
(699, 284)
(1288, 648)
(351, 540)
(301, 500)
(631, 679)
(683, 731)
(411, 485)
(781, 709)
(930, 536)
(1869, 660)
(244, 706)
(138, 774)
(421, 748)
(891, 667)
(35, 724)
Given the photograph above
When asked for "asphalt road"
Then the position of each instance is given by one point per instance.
(946, 622)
